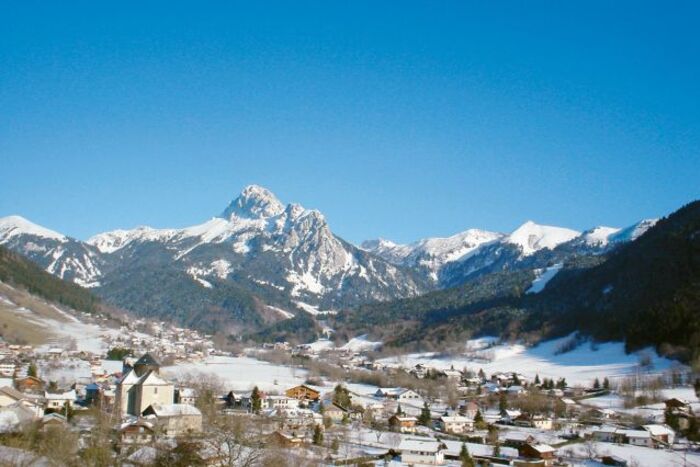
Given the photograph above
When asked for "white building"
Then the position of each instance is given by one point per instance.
(425, 451)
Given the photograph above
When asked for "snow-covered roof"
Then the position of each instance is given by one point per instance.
(173, 410)
(70, 395)
(455, 419)
(419, 445)
(659, 430)
(542, 448)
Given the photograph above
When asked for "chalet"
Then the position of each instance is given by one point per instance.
(456, 424)
(137, 432)
(608, 435)
(280, 402)
(677, 405)
(59, 401)
(661, 433)
(534, 421)
(637, 438)
(303, 392)
(403, 423)
(543, 452)
(517, 439)
(422, 451)
(398, 394)
(29, 384)
(175, 419)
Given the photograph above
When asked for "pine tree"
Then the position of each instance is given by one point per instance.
(482, 375)
(606, 383)
(318, 435)
(399, 412)
(424, 418)
(464, 457)
(537, 379)
(255, 401)
(341, 396)
(596, 384)
(502, 403)
(32, 370)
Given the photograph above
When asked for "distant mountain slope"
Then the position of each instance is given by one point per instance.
(17, 271)
(223, 272)
(455, 260)
(646, 292)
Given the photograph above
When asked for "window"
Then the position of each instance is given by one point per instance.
(155, 390)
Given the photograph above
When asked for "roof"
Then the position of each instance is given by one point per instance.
(542, 448)
(70, 395)
(12, 392)
(173, 410)
(147, 359)
(420, 444)
(129, 378)
(635, 433)
(152, 379)
(455, 419)
(659, 430)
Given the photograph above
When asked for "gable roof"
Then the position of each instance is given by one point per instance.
(152, 379)
(12, 393)
(171, 410)
(147, 359)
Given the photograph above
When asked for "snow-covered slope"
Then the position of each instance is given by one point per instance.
(16, 226)
(276, 252)
(531, 237)
(431, 254)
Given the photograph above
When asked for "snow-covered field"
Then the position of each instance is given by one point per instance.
(242, 373)
(579, 366)
(642, 456)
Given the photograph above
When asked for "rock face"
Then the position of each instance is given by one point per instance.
(257, 252)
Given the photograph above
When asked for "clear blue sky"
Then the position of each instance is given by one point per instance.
(400, 120)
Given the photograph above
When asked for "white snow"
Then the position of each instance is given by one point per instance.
(242, 373)
(12, 226)
(533, 237)
(361, 344)
(543, 277)
(634, 231)
(284, 313)
(313, 310)
(432, 253)
(599, 236)
(579, 366)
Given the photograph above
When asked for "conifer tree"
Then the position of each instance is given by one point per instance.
(255, 400)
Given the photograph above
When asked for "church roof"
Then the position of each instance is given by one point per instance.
(147, 359)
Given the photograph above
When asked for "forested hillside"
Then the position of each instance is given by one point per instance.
(18, 271)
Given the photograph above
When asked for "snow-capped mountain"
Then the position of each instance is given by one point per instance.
(431, 254)
(472, 253)
(531, 237)
(269, 252)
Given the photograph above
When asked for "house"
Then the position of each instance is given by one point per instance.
(7, 368)
(509, 416)
(29, 384)
(677, 405)
(517, 439)
(535, 421)
(452, 375)
(53, 420)
(398, 394)
(141, 386)
(637, 438)
(403, 423)
(137, 432)
(661, 433)
(59, 401)
(424, 451)
(456, 424)
(608, 435)
(185, 396)
(543, 452)
(303, 392)
(9, 396)
(335, 412)
(284, 440)
(280, 402)
(175, 419)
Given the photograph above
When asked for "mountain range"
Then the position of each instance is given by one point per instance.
(261, 261)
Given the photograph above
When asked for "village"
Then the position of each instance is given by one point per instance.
(137, 403)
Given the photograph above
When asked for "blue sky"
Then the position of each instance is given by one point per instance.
(402, 120)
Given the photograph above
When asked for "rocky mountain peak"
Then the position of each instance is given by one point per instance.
(254, 202)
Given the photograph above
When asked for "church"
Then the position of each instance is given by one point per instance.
(141, 386)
